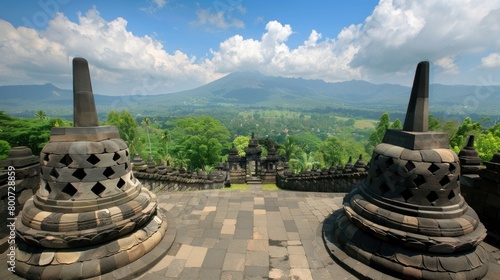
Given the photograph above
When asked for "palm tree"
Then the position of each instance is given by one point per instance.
(303, 162)
(147, 122)
(290, 148)
(165, 138)
(41, 115)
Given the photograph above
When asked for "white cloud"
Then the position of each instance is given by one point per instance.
(491, 61)
(448, 65)
(160, 3)
(154, 6)
(209, 19)
(400, 33)
(272, 56)
(221, 17)
(118, 58)
(383, 48)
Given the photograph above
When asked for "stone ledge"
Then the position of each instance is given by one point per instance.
(416, 140)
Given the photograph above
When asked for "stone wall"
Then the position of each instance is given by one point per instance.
(26, 178)
(319, 182)
(482, 193)
(181, 182)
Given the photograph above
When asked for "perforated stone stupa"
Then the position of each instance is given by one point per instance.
(408, 218)
(90, 215)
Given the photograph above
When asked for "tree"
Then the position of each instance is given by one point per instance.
(307, 141)
(202, 139)
(303, 162)
(459, 138)
(397, 124)
(146, 122)
(166, 137)
(4, 149)
(241, 142)
(290, 148)
(487, 144)
(377, 136)
(33, 133)
(127, 127)
(332, 150)
(41, 115)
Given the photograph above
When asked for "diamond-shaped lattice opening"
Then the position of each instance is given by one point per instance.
(46, 157)
(93, 159)
(69, 190)
(108, 172)
(451, 195)
(120, 183)
(432, 196)
(126, 153)
(452, 168)
(116, 157)
(47, 187)
(420, 180)
(406, 194)
(383, 188)
(79, 173)
(98, 188)
(410, 165)
(126, 166)
(54, 173)
(66, 160)
(445, 181)
(389, 162)
(433, 168)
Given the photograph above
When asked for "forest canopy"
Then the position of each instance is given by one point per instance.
(307, 141)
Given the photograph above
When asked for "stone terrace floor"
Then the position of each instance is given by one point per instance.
(252, 234)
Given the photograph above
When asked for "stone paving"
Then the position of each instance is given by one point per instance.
(254, 234)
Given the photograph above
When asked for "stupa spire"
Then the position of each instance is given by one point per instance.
(417, 114)
(84, 110)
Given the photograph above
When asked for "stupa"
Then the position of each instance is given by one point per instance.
(90, 215)
(408, 219)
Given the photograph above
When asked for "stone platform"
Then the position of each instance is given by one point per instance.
(255, 234)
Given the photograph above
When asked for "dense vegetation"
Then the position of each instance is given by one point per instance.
(308, 140)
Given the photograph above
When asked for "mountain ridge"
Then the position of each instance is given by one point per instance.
(258, 90)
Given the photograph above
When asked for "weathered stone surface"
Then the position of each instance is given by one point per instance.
(89, 202)
(410, 204)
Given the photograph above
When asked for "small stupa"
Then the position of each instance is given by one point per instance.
(408, 219)
(90, 215)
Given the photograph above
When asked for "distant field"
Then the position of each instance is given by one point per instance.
(365, 124)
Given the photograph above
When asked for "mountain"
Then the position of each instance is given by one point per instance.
(255, 90)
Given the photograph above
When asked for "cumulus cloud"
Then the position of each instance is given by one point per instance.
(399, 33)
(154, 6)
(210, 19)
(221, 17)
(447, 64)
(491, 61)
(314, 59)
(383, 48)
(117, 56)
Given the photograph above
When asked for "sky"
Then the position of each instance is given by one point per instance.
(163, 46)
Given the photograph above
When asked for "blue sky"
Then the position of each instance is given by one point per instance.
(164, 46)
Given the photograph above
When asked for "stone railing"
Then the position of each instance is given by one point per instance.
(324, 181)
(16, 186)
(168, 179)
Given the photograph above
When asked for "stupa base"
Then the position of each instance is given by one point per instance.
(367, 257)
(122, 258)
